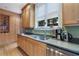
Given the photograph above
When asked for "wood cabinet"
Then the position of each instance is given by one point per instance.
(39, 48)
(36, 48)
(31, 47)
(70, 13)
(76, 12)
(28, 16)
(21, 42)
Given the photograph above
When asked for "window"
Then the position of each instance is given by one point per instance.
(46, 11)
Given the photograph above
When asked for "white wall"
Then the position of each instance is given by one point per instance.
(13, 7)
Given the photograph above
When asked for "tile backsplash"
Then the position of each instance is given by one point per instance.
(74, 30)
(35, 31)
(45, 32)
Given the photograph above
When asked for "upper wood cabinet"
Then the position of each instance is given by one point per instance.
(70, 13)
(28, 17)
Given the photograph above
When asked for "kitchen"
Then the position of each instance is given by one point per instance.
(39, 29)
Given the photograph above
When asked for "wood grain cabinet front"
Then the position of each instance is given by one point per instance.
(21, 42)
(36, 48)
(28, 16)
(31, 47)
(70, 12)
(39, 48)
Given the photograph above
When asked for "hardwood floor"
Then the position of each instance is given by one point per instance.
(10, 50)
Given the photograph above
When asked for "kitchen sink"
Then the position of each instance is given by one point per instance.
(40, 37)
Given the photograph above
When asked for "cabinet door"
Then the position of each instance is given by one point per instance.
(23, 18)
(76, 12)
(19, 41)
(42, 47)
(39, 49)
(26, 45)
(32, 16)
(24, 42)
(26, 17)
(69, 12)
(30, 47)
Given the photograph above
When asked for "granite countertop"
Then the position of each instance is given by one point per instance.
(61, 44)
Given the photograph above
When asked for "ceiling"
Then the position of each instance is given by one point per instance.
(13, 7)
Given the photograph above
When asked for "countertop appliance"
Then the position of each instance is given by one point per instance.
(63, 36)
(58, 33)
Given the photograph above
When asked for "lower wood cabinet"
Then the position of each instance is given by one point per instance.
(36, 48)
(31, 47)
(39, 48)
